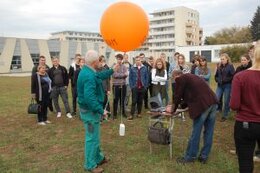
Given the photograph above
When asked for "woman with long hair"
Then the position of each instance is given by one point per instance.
(224, 75)
(202, 70)
(159, 78)
(245, 97)
(244, 63)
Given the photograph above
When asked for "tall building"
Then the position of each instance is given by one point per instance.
(76, 36)
(178, 26)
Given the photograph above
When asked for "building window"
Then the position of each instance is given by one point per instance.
(35, 58)
(16, 63)
(55, 54)
(206, 54)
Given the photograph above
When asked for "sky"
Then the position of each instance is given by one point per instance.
(38, 18)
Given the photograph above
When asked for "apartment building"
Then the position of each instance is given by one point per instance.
(178, 26)
(76, 36)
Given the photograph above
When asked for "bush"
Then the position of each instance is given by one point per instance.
(235, 52)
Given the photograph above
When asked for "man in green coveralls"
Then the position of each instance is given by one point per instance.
(90, 100)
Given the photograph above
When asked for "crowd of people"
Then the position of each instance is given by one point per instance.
(93, 82)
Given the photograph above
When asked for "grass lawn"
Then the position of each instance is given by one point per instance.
(59, 147)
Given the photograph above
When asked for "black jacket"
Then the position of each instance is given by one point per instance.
(64, 75)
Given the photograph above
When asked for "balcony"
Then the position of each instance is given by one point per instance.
(161, 40)
(164, 25)
(161, 18)
(161, 47)
(189, 31)
(188, 39)
(189, 24)
(161, 33)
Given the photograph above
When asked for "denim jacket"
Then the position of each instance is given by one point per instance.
(133, 74)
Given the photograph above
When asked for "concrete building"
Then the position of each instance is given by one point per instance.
(77, 36)
(172, 27)
(20, 54)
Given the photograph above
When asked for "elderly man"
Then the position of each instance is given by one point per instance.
(90, 100)
(202, 103)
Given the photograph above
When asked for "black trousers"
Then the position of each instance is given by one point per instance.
(42, 113)
(245, 140)
(145, 98)
(74, 98)
(137, 99)
(119, 95)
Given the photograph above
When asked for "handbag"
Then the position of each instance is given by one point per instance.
(159, 134)
(33, 107)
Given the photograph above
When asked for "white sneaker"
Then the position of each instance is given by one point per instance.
(256, 159)
(58, 114)
(232, 151)
(47, 122)
(69, 115)
(41, 123)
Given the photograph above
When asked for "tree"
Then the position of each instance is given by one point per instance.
(235, 52)
(255, 25)
(230, 35)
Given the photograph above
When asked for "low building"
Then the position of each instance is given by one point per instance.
(19, 55)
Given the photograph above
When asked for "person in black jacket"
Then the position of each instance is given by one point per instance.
(73, 68)
(60, 82)
(40, 90)
(245, 63)
(224, 76)
(42, 61)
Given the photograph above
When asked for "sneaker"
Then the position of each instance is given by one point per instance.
(97, 170)
(223, 119)
(47, 122)
(139, 116)
(202, 160)
(41, 123)
(69, 115)
(232, 151)
(182, 160)
(256, 159)
(58, 114)
(73, 113)
(130, 118)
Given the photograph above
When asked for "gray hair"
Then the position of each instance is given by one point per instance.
(91, 56)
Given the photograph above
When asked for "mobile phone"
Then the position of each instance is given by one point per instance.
(245, 125)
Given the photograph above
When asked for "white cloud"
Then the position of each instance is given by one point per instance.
(30, 18)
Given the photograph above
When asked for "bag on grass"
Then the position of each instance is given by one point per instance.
(159, 134)
(33, 107)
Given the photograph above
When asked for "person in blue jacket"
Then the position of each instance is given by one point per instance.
(90, 100)
(138, 82)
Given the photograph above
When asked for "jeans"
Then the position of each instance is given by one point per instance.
(224, 90)
(207, 119)
(245, 140)
(93, 154)
(62, 91)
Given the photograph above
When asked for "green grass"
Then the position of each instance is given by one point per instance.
(59, 147)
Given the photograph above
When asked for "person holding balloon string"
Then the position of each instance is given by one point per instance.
(90, 100)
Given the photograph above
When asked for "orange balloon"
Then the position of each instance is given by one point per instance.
(124, 26)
